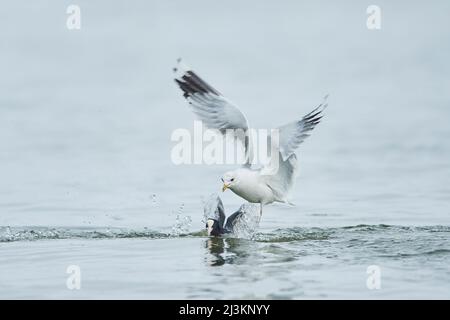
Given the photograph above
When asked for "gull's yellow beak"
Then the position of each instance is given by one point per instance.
(225, 187)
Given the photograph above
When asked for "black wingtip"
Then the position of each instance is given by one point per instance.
(190, 83)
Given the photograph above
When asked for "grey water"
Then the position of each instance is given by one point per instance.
(86, 176)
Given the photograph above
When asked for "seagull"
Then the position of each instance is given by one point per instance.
(217, 112)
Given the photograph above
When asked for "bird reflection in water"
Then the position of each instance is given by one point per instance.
(223, 250)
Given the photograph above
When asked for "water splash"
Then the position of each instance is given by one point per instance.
(246, 225)
(242, 224)
(182, 223)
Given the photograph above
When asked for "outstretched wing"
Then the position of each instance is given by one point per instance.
(293, 134)
(290, 136)
(213, 209)
(211, 107)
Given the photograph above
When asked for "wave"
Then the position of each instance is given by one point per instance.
(11, 234)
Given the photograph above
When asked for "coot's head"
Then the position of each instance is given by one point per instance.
(213, 228)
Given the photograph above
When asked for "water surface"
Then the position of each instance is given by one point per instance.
(85, 171)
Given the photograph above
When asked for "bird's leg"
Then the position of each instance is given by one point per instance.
(260, 212)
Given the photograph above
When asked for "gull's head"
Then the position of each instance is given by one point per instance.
(229, 179)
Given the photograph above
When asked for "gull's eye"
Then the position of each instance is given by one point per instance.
(232, 179)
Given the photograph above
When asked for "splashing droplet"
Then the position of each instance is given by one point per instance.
(246, 225)
(182, 223)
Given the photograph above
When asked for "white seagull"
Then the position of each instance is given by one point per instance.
(217, 112)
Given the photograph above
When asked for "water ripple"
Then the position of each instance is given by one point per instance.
(350, 233)
(10, 234)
